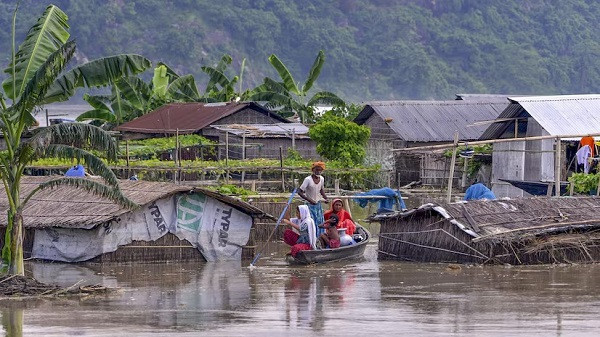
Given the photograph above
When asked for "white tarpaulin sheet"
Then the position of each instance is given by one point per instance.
(218, 230)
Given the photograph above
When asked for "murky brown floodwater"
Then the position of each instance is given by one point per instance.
(378, 298)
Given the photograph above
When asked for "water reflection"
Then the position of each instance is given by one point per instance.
(12, 321)
(306, 297)
(336, 299)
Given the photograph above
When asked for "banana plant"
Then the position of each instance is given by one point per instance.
(131, 97)
(291, 97)
(37, 75)
(221, 88)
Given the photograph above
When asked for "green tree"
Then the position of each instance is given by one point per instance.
(289, 96)
(36, 75)
(340, 139)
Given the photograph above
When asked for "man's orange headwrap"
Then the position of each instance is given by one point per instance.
(318, 164)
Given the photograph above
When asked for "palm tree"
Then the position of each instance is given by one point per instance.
(131, 97)
(289, 96)
(37, 76)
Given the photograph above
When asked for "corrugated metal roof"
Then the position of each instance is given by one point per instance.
(564, 115)
(434, 121)
(559, 115)
(189, 117)
(265, 130)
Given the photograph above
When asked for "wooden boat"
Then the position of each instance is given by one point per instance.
(537, 187)
(350, 252)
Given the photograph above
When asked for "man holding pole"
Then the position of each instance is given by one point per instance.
(313, 192)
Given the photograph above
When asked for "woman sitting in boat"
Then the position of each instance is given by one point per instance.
(306, 238)
(331, 237)
(345, 220)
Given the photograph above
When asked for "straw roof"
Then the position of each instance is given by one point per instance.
(69, 207)
(506, 220)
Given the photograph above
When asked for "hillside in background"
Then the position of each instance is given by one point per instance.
(377, 49)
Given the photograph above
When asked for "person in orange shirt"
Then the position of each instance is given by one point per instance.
(590, 142)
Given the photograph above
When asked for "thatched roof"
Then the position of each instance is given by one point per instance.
(515, 218)
(75, 208)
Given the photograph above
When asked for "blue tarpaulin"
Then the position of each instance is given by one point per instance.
(385, 205)
(76, 171)
(479, 191)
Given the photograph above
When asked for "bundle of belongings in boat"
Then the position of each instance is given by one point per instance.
(391, 199)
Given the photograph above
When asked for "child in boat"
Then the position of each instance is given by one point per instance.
(344, 218)
(331, 237)
(306, 237)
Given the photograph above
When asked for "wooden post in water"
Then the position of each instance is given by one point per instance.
(281, 168)
(336, 186)
(452, 164)
(557, 168)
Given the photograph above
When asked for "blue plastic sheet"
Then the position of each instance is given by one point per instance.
(76, 171)
(479, 191)
(385, 205)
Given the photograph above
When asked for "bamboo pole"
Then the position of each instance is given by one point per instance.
(490, 141)
(463, 182)
(227, 156)
(243, 154)
(281, 168)
(557, 168)
(294, 139)
(176, 152)
(127, 152)
(226, 148)
(452, 164)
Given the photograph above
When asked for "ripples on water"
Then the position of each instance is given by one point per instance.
(378, 298)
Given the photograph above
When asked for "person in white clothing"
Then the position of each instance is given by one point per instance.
(312, 191)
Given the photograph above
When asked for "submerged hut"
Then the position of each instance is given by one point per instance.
(519, 231)
(173, 222)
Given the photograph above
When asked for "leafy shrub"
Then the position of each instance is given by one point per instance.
(584, 183)
(340, 140)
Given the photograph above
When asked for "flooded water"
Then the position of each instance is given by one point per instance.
(367, 296)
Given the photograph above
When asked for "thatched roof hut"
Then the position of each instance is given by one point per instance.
(519, 231)
(66, 211)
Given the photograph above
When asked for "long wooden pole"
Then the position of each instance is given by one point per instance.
(491, 141)
(557, 157)
(281, 168)
(463, 182)
(176, 152)
(243, 154)
(452, 164)
(226, 148)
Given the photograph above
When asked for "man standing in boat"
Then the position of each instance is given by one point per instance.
(313, 192)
